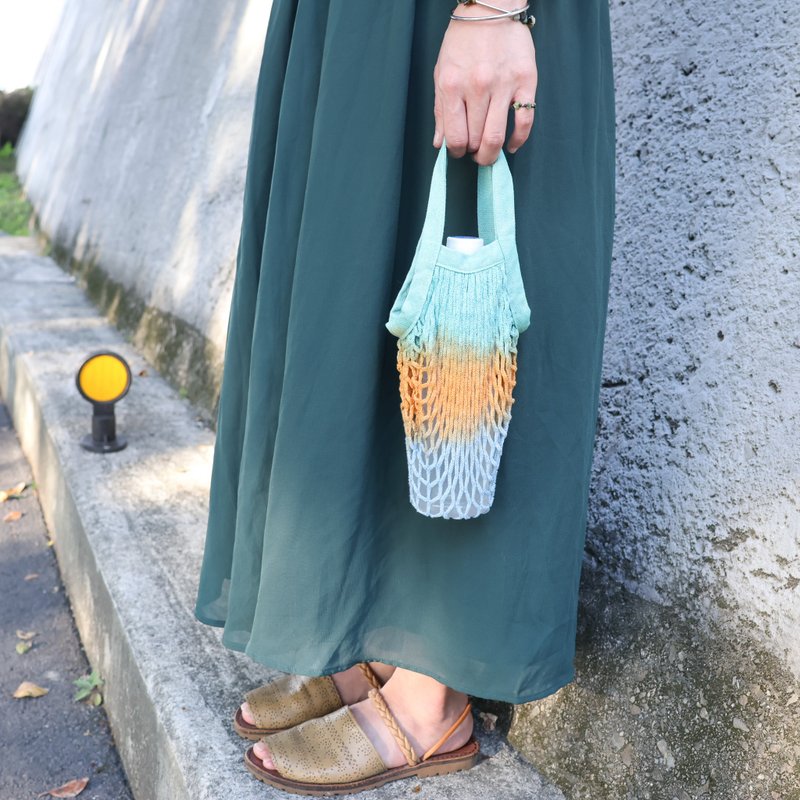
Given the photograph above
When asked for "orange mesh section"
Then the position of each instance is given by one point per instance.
(452, 391)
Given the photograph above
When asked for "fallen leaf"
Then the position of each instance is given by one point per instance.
(12, 516)
(31, 575)
(25, 634)
(69, 789)
(28, 689)
(23, 647)
(13, 492)
(50, 542)
(96, 698)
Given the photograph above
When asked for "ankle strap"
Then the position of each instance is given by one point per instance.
(402, 740)
(467, 710)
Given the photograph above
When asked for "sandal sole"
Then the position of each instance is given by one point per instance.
(248, 731)
(454, 761)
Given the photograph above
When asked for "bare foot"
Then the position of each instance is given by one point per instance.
(424, 708)
(351, 684)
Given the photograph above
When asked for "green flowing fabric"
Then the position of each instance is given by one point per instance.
(314, 557)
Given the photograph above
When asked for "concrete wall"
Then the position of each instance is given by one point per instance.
(696, 496)
(134, 158)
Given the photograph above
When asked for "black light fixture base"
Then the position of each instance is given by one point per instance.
(88, 443)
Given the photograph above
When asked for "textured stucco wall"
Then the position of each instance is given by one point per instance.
(135, 151)
(696, 485)
(135, 155)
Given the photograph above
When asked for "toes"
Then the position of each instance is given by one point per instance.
(261, 751)
(246, 715)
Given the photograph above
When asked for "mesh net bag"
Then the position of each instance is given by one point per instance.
(458, 317)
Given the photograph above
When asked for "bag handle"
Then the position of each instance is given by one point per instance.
(495, 223)
(495, 205)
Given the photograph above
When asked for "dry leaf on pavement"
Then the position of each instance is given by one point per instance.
(28, 689)
(12, 516)
(13, 492)
(69, 789)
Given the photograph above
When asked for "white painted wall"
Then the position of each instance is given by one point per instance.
(136, 151)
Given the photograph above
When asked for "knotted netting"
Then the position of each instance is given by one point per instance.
(457, 368)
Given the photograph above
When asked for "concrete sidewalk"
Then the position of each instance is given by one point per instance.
(128, 530)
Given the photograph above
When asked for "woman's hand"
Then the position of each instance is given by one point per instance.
(483, 67)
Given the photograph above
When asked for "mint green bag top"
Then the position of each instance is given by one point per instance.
(458, 317)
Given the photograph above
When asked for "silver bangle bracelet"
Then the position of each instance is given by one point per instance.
(487, 5)
(517, 13)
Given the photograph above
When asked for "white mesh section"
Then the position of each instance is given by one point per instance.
(452, 480)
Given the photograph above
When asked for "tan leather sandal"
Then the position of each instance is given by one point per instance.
(288, 700)
(333, 755)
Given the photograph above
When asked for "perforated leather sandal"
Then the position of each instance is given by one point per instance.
(332, 755)
(289, 700)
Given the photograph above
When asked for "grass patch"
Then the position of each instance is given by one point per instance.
(15, 211)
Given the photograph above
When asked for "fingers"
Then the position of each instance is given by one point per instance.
(472, 102)
(523, 123)
(438, 123)
(463, 122)
(477, 103)
(453, 112)
(480, 126)
(527, 82)
(449, 111)
(493, 134)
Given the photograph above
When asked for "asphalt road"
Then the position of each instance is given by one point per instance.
(49, 740)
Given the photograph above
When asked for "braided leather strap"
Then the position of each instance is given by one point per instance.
(391, 723)
(402, 740)
(370, 675)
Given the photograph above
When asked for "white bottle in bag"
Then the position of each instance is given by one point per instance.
(465, 244)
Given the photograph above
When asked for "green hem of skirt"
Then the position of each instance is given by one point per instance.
(299, 669)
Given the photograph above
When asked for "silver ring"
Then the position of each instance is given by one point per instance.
(517, 104)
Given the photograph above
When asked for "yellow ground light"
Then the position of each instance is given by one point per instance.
(103, 378)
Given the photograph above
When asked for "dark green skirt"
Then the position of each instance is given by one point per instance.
(314, 557)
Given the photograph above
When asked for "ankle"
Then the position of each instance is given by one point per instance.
(427, 700)
(415, 684)
(426, 710)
